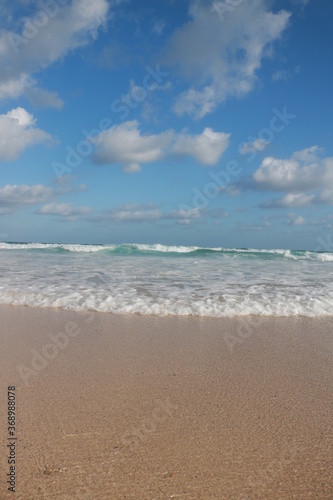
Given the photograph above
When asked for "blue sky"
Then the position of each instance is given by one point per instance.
(193, 122)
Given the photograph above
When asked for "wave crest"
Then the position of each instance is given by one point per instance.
(165, 250)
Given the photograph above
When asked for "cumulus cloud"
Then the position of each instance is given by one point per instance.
(126, 145)
(291, 200)
(304, 171)
(66, 210)
(16, 196)
(12, 87)
(184, 217)
(252, 147)
(206, 148)
(306, 177)
(17, 132)
(222, 56)
(45, 37)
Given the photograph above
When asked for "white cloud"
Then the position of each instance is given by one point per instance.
(222, 56)
(13, 87)
(206, 148)
(326, 196)
(130, 212)
(126, 145)
(17, 132)
(299, 221)
(296, 220)
(278, 175)
(133, 213)
(44, 98)
(148, 212)
(304, 171)
(46, 37)
(64, 210)
(280, 75)
(308, 155)
(132, 168)
(291, 200)
(284, 75)
(306, 177)
(184, 217)
(197, 103)
(252, 147)
(16, 196)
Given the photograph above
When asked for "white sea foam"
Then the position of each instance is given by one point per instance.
(25, 246)
(169, 249)
(154, 281)
(54, 246)
(86, 248)
(325, 257)
(185, 306)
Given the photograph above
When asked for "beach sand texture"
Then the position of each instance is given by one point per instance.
(134, 407)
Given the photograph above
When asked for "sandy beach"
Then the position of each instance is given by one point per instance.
(134, 407)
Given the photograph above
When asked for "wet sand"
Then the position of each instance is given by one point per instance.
(133, 407)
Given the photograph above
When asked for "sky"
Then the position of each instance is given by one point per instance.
(189, 122)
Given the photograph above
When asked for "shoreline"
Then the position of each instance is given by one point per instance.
(169, 316)
(133, 406)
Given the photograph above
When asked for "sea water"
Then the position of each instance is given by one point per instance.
(167, 280)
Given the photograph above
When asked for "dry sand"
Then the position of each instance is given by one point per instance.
(133, 407)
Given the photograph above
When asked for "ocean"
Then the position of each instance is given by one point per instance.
(167, 280)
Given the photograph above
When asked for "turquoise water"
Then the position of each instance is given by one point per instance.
(167, 280)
